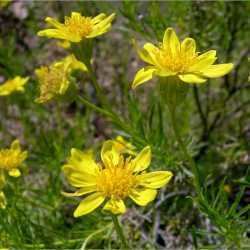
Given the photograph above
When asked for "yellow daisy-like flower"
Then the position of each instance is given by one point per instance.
(55, 79)
(13, 85)
(172, 58)
(113, 179)
(77, 27)
(12, 158)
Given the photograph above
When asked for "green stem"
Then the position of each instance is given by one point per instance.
(113, 116)
(94, 107)
(184, 150)
(119, 231)
(102, 98)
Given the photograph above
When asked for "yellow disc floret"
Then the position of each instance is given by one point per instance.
(79, 25)
(116, 181)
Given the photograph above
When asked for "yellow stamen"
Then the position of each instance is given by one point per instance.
(175, 63)
(79, 25)
(116, 181)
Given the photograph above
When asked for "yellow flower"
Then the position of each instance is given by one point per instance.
(113, 179)
(12, 85)
(55, 79)
(78, 27)
(12, 158)
(123, 146)
(181, 60)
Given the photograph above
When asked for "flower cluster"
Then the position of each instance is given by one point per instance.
(121, 172)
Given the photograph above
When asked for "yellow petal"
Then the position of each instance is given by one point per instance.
(81, 191)
(143, 75)
(15, 145)
(102, 26)
(59, 34)
(98, 18)
(155, 179)
(188, 46)
(89, 204)
(2, 200)
(78, 178)
(171, 41)
(110, 156)
(83, 161)
(142, 160)
(203, 61)
(76, 15)
(142, 53)
(14, 172)
(123, 146)
(217, 70)
(2, 179)
(23, 155)
(143, 196)
(115, 206)
(77, 65)
(54, 22)
(152, 50)
(192, 78)
(64, 44)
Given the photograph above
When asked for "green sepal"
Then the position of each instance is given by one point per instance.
(172, 91)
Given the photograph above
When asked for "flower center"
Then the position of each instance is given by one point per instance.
(79, 25)
(176, 63)
(116, 181)
(9, 159)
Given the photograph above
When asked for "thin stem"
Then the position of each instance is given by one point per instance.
(94, 107)
(102, 98)
(119, 232)
(184, 150)
(114, 117)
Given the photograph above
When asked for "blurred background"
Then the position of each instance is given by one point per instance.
(214, 118)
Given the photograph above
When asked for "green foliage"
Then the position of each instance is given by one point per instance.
(213, 122)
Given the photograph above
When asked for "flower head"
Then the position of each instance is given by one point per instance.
(12, 85)
(113, 179)
(12, 158)
(55, 79)
(78, 27)
(172, 58)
